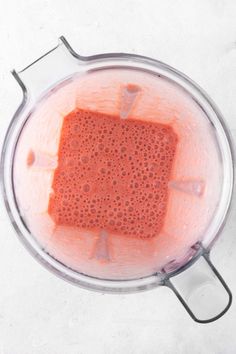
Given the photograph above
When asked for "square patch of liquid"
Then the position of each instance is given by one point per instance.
(112, 174)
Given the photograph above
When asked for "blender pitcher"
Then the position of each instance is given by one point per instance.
(117, 175)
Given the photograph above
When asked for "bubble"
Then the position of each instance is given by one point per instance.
(86, 188)
(84, 159)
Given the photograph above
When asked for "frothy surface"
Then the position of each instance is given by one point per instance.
(112, 174)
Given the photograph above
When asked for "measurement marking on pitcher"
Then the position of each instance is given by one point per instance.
(38, 159)
(101, 248)
(194, 187)
(128, 97)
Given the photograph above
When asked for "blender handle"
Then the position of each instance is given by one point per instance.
(58, 63)
(201, 290)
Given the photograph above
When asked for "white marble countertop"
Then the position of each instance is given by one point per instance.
(41, 314)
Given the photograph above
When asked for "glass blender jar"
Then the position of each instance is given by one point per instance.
(170, 237)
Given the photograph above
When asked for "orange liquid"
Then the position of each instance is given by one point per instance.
(112, 174)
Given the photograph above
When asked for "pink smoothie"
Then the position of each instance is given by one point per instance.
(117, 174)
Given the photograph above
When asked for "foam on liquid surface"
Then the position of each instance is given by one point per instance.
(112, 174)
